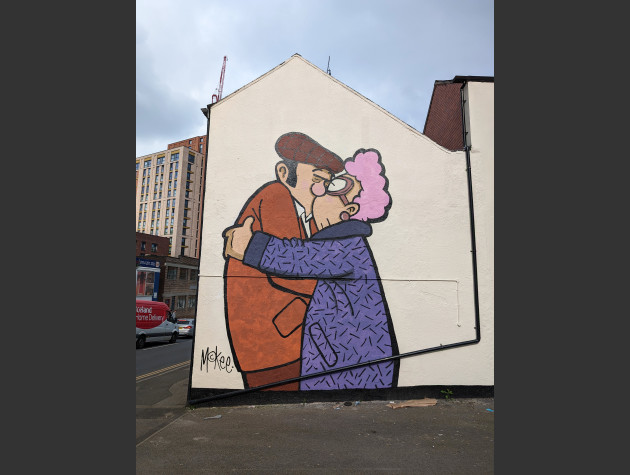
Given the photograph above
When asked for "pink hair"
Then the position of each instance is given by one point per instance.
(374, 199)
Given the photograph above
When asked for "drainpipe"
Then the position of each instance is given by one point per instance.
(394, 357)
(471, 209)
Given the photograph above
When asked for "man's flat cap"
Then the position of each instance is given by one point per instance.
(301, 148)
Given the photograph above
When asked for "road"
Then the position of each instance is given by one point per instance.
(156, 356)
(162, 371)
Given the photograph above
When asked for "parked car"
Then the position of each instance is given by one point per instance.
(186, 326)
(154, 320)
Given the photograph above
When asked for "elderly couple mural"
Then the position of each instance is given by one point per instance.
(302, 290)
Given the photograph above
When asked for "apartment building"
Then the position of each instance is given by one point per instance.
(169, 197)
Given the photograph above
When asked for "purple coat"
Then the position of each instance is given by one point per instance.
(347, 320)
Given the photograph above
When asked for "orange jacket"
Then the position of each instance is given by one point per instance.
(264, 314)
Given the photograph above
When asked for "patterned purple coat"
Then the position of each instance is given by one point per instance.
(347, 320)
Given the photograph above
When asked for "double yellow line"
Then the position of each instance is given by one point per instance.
(163, 370)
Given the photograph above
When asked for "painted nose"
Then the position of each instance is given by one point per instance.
(318, 189)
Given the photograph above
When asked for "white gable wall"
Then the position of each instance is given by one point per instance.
(422, 250)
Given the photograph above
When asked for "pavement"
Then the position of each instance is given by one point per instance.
(454, 436)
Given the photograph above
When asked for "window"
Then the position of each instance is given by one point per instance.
(185, 203)
(153, 247)
(181, 301)
(171, 273)
(175, 175)
(191, 301)
(177, 166)
(183, 274)
(191, 158)
(137, 166)
(173, 204)
(189, 142)
(168, 203)
(147, 163)
(201, 139)
(143, 246)
(201, 148)
(168, 212)
(174, 157)
(145, 283)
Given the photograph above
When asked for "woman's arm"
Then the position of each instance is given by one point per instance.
(313, 259)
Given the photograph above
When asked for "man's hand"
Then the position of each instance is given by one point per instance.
(237, 239)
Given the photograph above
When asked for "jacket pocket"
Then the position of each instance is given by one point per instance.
(291, 317)
(322, 343)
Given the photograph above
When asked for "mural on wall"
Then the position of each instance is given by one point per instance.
(302, 290)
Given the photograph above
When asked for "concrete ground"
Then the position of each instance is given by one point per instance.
(455, 436)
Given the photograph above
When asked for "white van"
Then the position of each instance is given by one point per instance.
(154, 321)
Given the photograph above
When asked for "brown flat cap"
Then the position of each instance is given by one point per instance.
(301, 148)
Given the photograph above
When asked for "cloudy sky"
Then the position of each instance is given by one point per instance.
(390, 51)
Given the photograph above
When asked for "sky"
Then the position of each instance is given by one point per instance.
(390, 51)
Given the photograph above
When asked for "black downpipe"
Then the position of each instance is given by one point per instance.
(404, 355)
(471, 209)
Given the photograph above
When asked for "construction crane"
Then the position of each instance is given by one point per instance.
(217, 97)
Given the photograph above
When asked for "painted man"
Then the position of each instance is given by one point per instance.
(264, 313)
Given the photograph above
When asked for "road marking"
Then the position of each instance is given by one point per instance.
(163, 370)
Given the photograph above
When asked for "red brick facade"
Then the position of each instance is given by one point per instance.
(150, 245)
(444, 119)
(198, 144)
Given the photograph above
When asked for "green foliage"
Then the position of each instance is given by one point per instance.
(447, 393)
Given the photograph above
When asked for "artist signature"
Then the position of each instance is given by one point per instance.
(221, 362)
